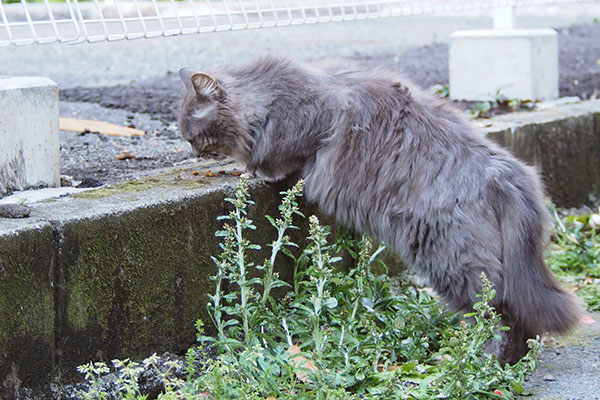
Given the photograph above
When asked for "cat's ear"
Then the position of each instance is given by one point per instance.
(186, 75)
(205, 85)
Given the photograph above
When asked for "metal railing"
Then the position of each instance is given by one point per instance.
(77, 21)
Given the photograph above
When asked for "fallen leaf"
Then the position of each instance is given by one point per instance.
(389, 368)
(301, 362)
(498, 392)
(236, 173)
(209, 173)
(125, 155)
(195, 173)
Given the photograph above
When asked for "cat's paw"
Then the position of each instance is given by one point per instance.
(271, 178)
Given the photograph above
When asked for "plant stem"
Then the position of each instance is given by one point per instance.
(242, 278)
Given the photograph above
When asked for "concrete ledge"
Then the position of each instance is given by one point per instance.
(122, 271)
(119, 271)
(519, 63)
(30, 155)
(27, 303)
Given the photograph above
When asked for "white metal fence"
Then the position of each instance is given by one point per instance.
(77, 21)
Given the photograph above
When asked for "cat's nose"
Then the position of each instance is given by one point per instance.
(216, 156)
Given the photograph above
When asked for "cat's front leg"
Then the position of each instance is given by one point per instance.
(274, 156)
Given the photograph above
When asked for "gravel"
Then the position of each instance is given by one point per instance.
(151, 105)
(93, 155)
(570, 366)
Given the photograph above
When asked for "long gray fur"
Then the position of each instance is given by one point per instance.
(399, 164)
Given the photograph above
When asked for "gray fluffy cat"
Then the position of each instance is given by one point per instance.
(390, 160)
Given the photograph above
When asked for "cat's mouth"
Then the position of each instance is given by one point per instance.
(211, 154)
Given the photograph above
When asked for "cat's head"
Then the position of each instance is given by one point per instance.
(209, 121)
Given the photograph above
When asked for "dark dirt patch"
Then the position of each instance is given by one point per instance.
(579, 48)
(158, 97)
(154, 105)
(579, 51)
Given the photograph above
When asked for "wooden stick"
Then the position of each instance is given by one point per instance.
(106, 128)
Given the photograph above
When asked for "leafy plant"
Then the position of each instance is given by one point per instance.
(575, 255)
(498, 101)
(341, 332)
(93, 373)
(466, 370)
(439, 90)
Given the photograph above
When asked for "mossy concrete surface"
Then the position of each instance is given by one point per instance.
(123, 271)
(27, 311)
(115, 272)
(563, 141)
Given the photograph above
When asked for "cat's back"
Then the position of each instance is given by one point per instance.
(276, 74)
(395, 126)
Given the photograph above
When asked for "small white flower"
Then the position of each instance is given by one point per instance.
(595, 221)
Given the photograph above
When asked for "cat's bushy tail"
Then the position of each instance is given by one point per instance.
(532, 295)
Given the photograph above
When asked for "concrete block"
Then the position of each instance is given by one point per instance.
(120, 271)
(520, 63)
(27, 313)
(30, 155)
(563, 142)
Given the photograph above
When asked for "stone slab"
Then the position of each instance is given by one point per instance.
(120, 271)
(518, 63)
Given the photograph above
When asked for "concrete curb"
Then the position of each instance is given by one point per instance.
(121, 271)
(562, 141)
(115, 272)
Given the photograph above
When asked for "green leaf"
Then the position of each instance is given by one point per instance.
(409, 367)
(514, 103)
(331, 302)
(518, 388)
(482, 107)
(271, 221)
(368, 304)
(360, 375)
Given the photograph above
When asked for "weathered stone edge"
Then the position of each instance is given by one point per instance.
(83, 278)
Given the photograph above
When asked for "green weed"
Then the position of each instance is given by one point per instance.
(575, 255)
(439, 90)
(340, 332)
(498, 102)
